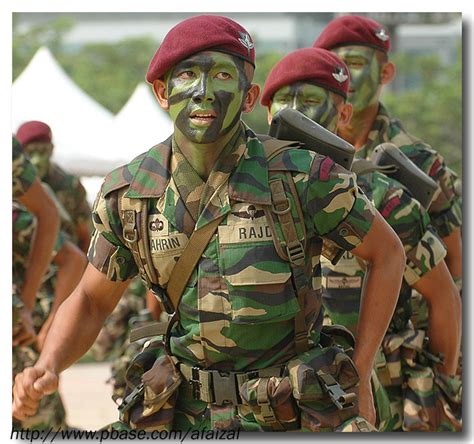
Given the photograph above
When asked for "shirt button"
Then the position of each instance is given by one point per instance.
(120, 260)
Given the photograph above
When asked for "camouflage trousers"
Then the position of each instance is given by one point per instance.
(419, 398)
(51, 412)
(159, 397)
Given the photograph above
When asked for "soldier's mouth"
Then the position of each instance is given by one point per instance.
(202, 118)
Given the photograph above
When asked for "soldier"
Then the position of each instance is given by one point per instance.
(363, 44)
(28, 191)
(315, 82)
(36, 138)
(245, 348)
(70, 263)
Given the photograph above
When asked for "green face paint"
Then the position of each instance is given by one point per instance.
(365, 75)
(206, 93)
(40, 155)
(313, 101)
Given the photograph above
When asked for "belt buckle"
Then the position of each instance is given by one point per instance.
(339, 397)
(195, 383)
(224, 387)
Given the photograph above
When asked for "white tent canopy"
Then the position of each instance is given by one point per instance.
(141, 123)
(81, 127)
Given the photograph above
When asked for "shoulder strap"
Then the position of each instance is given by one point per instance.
(295, 247)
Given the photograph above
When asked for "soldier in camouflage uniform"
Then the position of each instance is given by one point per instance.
(236, 336)
(27, 191)
(36, 139)
(363, 44)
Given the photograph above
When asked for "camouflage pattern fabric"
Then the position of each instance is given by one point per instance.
(23, 171)
(424, 250)
(241, 288)
(72, 195)
(445, 211)
(51, 413)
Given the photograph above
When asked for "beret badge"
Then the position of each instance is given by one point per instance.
(339, 74)
(245, 40)
(381, 34)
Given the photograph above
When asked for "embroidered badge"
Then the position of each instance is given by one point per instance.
(245, 40)
(339, 74)
(381, 34)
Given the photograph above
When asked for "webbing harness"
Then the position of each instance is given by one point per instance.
(134, 215)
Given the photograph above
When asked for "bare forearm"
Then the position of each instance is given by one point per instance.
(444, 303)
(380, 294)
(453, 257)
(74, 329)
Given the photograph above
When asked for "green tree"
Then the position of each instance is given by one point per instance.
(433, 111)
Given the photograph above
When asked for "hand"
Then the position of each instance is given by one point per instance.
(26, 335)
(31, 385)
(366, 402)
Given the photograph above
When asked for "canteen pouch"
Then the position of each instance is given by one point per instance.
(271, 402)
(152, 390)
(325, 381)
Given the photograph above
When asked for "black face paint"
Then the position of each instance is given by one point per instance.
(206, 93)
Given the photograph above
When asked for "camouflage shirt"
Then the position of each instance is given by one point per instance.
(72, 196)
(23, 171)
(445, 211)
(237, 310)
(424, 250)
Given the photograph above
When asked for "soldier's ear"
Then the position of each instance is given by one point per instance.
(159, 89)
(251, 98)
(388, 73)
(344, 114)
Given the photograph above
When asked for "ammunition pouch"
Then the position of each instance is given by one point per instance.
(152, 389)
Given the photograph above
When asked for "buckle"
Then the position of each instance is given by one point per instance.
(163, 297)
(339, 397)
(195, 383)
(295, 253)
(224, 388)
(129, 231)
(131, 398)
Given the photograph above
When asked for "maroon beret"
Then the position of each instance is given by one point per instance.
(314, 65)
(200, 33)
(354, 30)
(34, 131)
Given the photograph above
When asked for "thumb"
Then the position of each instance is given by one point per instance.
(47, 383)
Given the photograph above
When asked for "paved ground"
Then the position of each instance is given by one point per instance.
(87, 397)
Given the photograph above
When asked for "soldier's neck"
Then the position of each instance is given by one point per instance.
(201, 156)
(357, 132)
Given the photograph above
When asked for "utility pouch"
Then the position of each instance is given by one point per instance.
(152, 390)
(324, 383)
(271, 402)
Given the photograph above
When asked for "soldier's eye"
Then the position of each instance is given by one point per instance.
(223, 76)
(186, 75)
(312, 101)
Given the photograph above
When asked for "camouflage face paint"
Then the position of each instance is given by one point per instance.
(311, 100)
(365, 75)
(206, 93)
(40, 154)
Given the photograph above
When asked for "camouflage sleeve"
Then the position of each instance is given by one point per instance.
(23, 171)
(339, 209)
(107, 252)
(423, 249)
(445, 211)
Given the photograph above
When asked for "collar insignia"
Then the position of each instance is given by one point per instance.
(340, 75)
(381, 34)
(245, 40)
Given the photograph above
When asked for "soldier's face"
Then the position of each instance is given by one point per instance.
(365, 70)
(311, 100)
(40, 155)
(205, 95)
